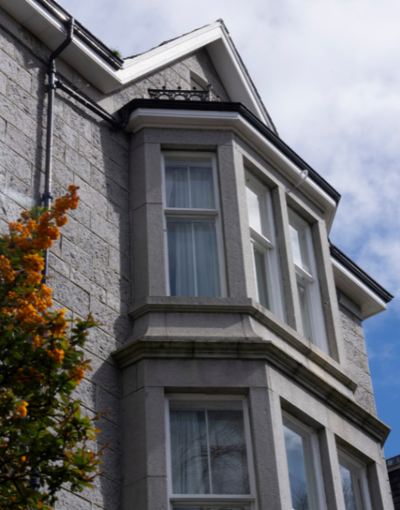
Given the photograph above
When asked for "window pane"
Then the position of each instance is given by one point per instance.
(206, 259)
(348, 491)
(299, 247)
(202, 187)
(228, 452)
(177, 183)
(190, 473)
(297, 471)
(180, 258)
(259, 261)
(254, 208)
(213, 507)
(304, 307)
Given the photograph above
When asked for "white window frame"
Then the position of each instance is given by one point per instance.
(359, 479)
(266, 243)
(205, 500)
(313, 294)
(315, 482)
(195, 214)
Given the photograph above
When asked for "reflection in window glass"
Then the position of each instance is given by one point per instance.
(304, 307)
(242, 507)
(299, 247)
(297, 471)
(253, 207)
(259, 260)
(208, 452)
(348, 491)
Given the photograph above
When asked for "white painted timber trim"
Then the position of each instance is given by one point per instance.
(102, 75)
(370, 303)
(233, 121)
(161, 56)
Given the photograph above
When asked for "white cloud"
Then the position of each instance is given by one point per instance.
(327, 72)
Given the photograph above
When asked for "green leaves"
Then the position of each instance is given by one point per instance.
(44, 435)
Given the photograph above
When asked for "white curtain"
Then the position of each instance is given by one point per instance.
(196, 194)
(201, 188)
(189, 452)
(207, 270)
(193, 272)
(180, 257)
(177, 186)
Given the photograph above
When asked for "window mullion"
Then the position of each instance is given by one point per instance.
(194, 260)
(208, 453)
(189, 188)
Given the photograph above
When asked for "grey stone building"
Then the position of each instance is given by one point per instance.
(230, 349)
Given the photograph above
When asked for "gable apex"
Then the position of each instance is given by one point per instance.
(216, 40)
(46, 19)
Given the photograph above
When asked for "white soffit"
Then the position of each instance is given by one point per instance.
(225, 120)
(99, 73)
(370, 303)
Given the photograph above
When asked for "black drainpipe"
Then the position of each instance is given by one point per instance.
(56, 83)
(47, 197)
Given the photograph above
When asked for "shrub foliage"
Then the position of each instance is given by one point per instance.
(45, 440)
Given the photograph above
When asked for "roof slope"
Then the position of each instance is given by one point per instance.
(92, 59)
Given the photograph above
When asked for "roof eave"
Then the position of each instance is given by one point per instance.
(236, 117)
(94, 61)
(358, 285)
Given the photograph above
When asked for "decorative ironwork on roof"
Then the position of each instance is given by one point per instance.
(180, 94)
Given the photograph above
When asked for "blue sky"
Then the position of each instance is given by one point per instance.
(328, 73)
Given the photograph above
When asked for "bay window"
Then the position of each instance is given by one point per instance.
(192, 225)
(264, 250)
(209, 453)
(312, 319)
(354, 483)
(305, 477)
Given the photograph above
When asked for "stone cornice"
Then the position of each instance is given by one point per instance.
(248, 306)
(256, 349)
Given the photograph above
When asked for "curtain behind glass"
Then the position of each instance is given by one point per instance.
(180, 258)
(297, 472)
(202, 188)
(189, 452)
(177, 186)
(189, 186)
(206, 254)
(228, 452)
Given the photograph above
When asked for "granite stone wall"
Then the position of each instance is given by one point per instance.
(90, 264)
(357, 358)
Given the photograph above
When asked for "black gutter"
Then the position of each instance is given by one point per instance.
(90, 106)
(360, 274)
(264, 130)
(53, 84)
(51, 89)
(84, 34)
